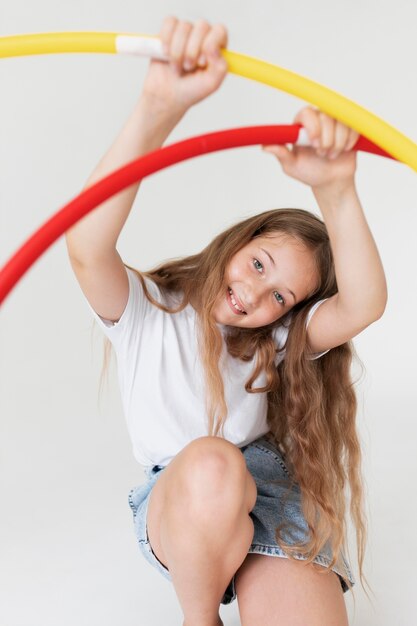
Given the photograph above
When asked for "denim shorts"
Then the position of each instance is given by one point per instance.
(275, 504)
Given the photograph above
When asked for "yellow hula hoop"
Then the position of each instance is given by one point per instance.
(327, 100)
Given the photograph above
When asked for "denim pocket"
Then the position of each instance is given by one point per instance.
(269, 448)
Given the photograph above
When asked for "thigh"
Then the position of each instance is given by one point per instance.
(277, 591)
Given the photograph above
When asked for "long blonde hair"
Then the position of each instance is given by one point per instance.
(311, 403)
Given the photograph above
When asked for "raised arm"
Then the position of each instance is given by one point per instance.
(329, 169)
(91, 243)
(146, 129)
(362, 288)
(196, 70)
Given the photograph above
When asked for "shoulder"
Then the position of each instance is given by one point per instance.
(280, 333)
(135, 282)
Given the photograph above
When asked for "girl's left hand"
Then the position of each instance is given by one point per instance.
(330, 160)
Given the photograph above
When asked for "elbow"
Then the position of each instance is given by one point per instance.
(378, 303)
(383, 304)
(368, 314)
(382, 310)
(362, 316)
(377, 316)
(377, 310)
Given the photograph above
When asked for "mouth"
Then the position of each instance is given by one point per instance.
(234, 303)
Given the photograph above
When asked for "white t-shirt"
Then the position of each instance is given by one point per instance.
(162, 383)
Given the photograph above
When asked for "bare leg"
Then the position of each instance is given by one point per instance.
(205, 530)
(274, 590)
(202, 560)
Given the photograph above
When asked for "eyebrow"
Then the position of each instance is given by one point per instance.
(273, 263)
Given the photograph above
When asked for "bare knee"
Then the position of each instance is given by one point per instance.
(214, 470)
(207, 482)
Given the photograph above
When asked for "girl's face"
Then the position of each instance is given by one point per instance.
(267, 278)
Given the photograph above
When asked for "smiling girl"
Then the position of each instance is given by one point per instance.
(234, 367)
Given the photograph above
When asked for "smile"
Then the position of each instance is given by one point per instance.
(237, 310)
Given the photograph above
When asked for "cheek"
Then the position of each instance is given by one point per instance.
(236, 271)
(265, 313)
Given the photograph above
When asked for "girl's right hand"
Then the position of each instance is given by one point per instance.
(195, 68)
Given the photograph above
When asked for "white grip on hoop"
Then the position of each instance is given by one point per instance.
(140, 46)
(303, 139)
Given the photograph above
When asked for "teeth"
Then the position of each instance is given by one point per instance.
(234, 301)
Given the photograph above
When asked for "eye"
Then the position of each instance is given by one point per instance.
(282, 299)
(279, 298)
(256, 261)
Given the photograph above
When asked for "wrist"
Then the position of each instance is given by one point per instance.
(159, 111)
(149, 125)
(335, 191)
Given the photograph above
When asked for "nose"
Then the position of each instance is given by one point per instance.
(252, 295)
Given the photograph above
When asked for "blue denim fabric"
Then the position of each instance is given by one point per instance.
(275, 504)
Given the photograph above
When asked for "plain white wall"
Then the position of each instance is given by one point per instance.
(68, 552)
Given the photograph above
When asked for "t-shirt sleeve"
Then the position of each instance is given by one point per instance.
(281, 334)
(126, 329)
(311, 312)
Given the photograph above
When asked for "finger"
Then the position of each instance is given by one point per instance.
(193, 51)
(179, 43)
(167, 31)
(215, 40)
(309, 119)
(341, 136)
(327, 128)
(283, 153)
(353, 138)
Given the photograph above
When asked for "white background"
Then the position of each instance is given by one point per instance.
(68, 552)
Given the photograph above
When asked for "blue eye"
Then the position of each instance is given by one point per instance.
(278, 294)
